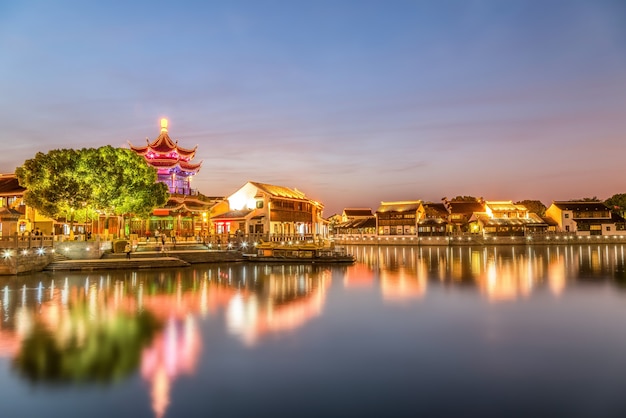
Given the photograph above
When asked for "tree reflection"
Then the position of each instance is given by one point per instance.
(103, 351)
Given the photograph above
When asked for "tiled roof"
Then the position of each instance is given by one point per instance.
(280, 191)
(357, 212)
(163, 144)
(10, 186)
(505, 206)
(234, 214)
(581, 206)
(435, 210)
(407, 206)
(359, 223)
(466, 207)
(549, 221)
(530, 221)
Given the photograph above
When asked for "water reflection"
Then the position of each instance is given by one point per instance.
(500, 273)
(79, 327)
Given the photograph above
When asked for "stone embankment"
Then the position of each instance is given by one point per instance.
(90, 255)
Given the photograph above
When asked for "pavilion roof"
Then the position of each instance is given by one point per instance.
(163, 144)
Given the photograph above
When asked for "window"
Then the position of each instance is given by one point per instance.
(608, 228)
(259, 204)
(566, 216)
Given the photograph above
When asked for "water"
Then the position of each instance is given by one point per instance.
(495, 331)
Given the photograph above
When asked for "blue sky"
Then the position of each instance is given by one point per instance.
(352, 102)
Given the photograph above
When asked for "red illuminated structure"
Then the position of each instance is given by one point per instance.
(185, 213)
(173, 162)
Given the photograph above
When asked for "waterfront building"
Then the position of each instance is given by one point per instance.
(585, 218)
(269, 212)
(460, 213)
(187, 211)
(398, 218)
(433, 219)
(356, 221)
(505, 218)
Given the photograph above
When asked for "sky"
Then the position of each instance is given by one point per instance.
(352, 102)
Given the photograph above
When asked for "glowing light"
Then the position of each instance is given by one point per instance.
(164, 125)
(7, 254)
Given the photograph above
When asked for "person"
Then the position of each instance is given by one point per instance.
(147, 237)
(127, 251)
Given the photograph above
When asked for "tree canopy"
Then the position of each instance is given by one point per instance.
(533, 206)
(617, 203)
(68, 183)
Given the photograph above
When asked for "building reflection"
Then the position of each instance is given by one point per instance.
(150, 319)
(500, 273)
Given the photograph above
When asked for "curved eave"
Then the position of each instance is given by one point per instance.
(185, 165)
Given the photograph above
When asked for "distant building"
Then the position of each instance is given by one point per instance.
(356, 221)
(461, 211)
(398, 218)
(505, 218)
(349, 214)
(585, 218)
(433, 219)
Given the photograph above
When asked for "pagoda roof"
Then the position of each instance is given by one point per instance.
(163, 144)
(183, 165)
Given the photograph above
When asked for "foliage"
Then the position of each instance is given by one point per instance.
(78, 184)
(587, 199)
(55, 185)
(464, 199)
(617, 203)
(533, 206)
(107, 350)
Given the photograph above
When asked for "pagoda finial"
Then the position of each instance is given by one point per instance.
(163, 125)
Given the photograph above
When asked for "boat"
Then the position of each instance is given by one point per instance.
(277, 252)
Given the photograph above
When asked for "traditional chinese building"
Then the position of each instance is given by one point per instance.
(398, 218)
(269, 212)
(186, 212)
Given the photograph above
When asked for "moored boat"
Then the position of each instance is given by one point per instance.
(299, 253)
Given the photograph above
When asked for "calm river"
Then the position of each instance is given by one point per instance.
(405, 332)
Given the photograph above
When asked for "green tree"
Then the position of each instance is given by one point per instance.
(122, 182)
(464, 199)
(617, 203)
(587, 199)
(533, 206)
(54, 183)
(76, 184)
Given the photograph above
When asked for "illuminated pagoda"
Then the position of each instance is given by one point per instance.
(173, 162)
(185, 210)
